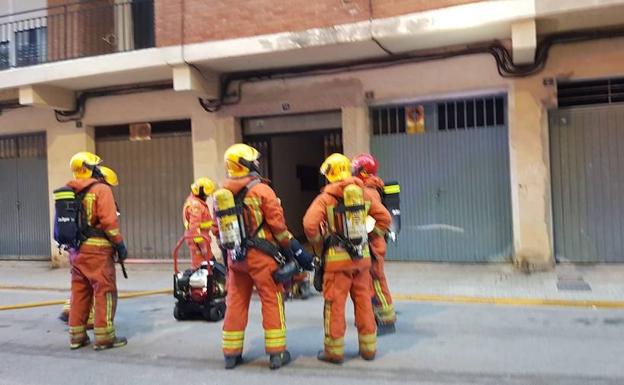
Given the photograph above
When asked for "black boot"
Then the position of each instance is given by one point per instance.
(322, 356)
(383, 329)
(276, 361)
(77, 345)
(117, 343)
(232, 361)
(64, 316)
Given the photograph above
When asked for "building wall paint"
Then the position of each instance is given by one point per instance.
(355, 133)
(529, 101)
(211, 134)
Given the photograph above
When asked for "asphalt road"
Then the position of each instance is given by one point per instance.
(434, 344)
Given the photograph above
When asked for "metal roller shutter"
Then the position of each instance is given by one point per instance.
(154, 179)
(587, 162)
(454, 176)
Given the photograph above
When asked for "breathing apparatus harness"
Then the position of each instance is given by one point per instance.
(233, 234)
(352, 238)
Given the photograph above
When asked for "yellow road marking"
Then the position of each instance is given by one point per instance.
(62, 301)
(509, 301)
(32, 304)
(32, 288)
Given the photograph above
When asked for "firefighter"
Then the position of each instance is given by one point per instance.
(93, 268)
(108, 176)
(253, 262)
(198, 221)
(335, 226)
(365, 166)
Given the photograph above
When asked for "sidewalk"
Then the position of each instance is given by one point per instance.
(567, 282)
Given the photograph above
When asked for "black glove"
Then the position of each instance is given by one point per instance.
(122, 252)
(301, 255)
(286, 272)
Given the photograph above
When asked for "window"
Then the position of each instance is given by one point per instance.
(459, 114)
(31, 46)
(388, 120)
(588, 92)
(4, 55)
(471, 113)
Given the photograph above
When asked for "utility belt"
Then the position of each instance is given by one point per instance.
(266, 247)
(333, 240)
(92, 232)
(287, 267)
(355, 252)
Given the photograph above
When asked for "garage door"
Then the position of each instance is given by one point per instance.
(155, 175)
(587, 161)
(451, 159)
(24, 231)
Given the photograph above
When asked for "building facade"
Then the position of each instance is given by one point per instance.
(500, 119)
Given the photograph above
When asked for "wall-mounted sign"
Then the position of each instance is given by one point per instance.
(415, 119)
(140, 131)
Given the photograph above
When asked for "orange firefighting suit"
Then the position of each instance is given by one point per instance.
(261, 207)
(382, 300)
(197, 221)
(93, 268)
(344, 276)
(67, 305)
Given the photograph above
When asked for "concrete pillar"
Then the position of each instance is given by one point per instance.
(212, 135)
(355, 130)
(63, 140)
(530, 175)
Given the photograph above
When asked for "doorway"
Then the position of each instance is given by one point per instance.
(293, 149)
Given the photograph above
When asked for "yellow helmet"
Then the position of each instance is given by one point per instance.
(109, 176)
(336, 167)
(83, 163)
(241, 159)
(203, 186)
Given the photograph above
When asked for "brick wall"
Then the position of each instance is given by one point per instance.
(206, 20)
(388, 8)
(168, 21)
(226, 19)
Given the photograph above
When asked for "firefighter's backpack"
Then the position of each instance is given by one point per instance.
(70, 222)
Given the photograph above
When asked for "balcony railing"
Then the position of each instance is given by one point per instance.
(75, 30)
